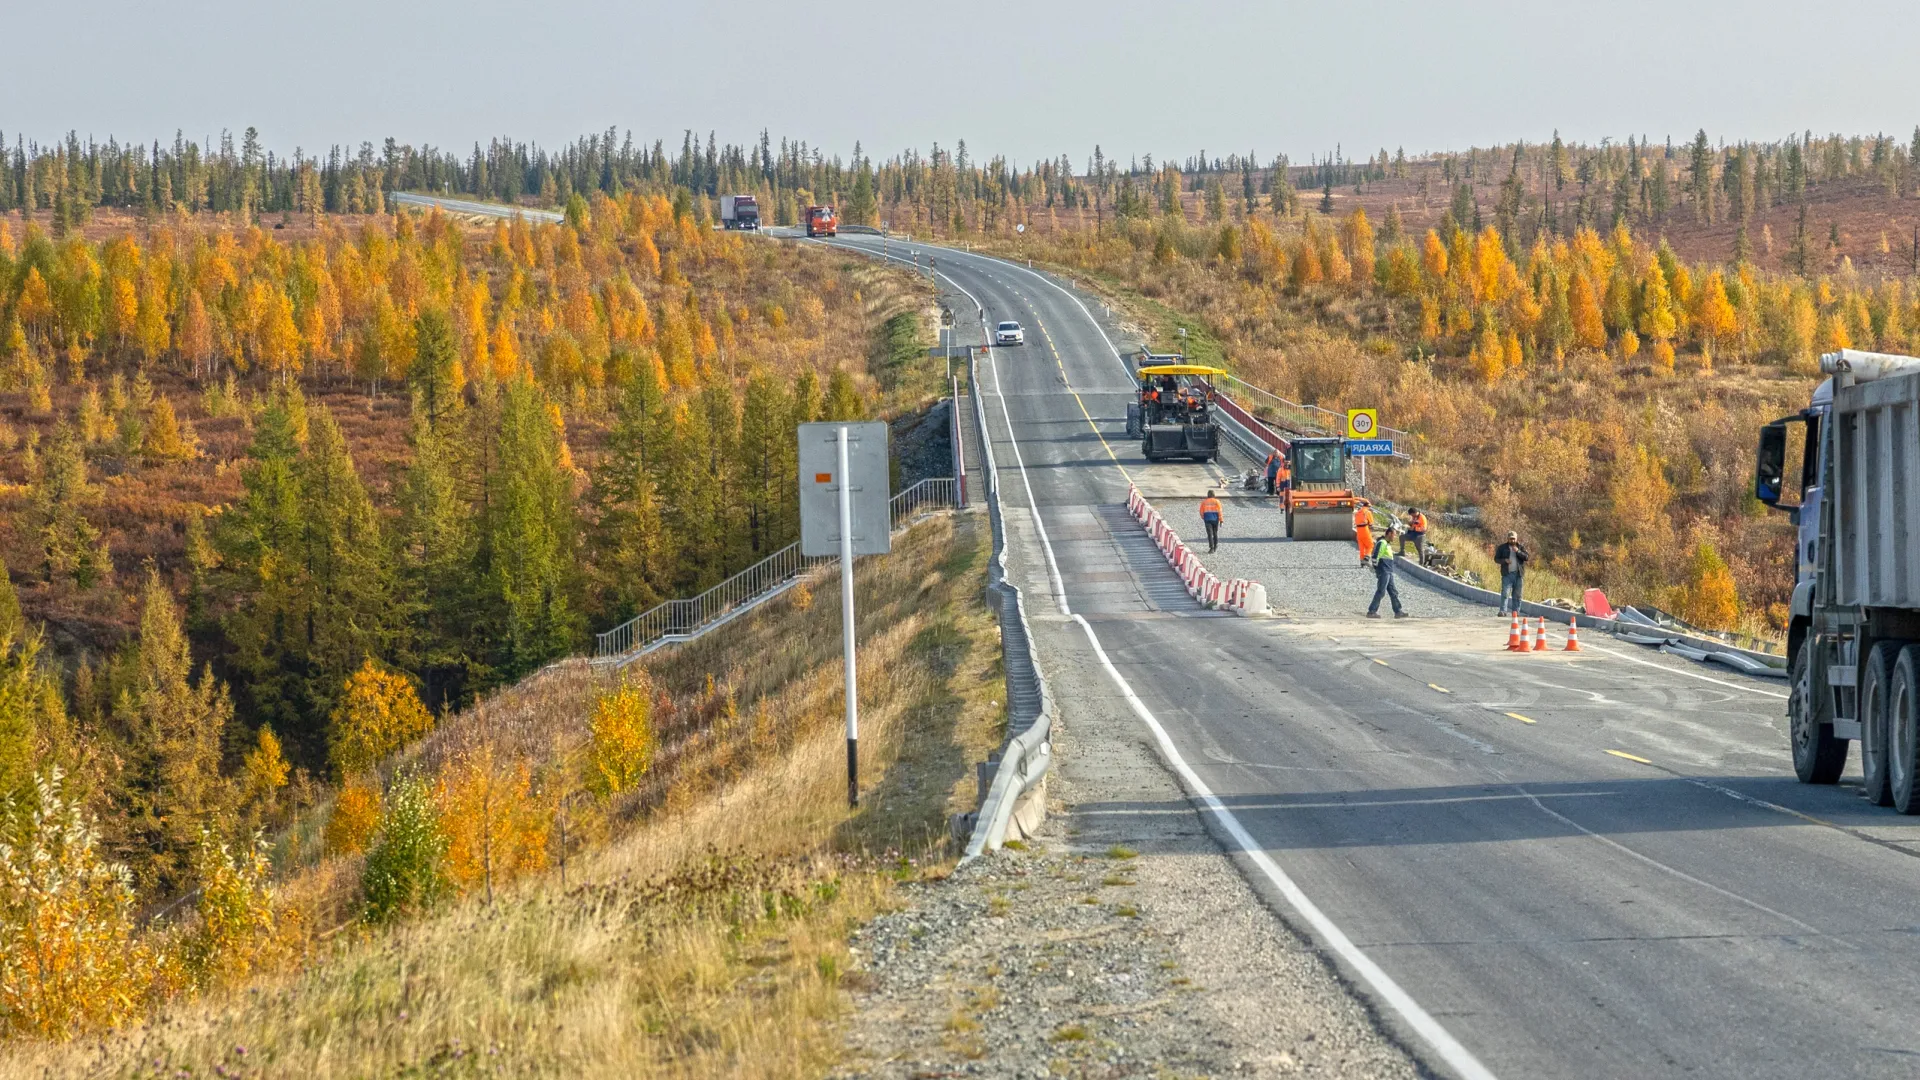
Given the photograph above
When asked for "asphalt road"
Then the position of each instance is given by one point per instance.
(1591, 865)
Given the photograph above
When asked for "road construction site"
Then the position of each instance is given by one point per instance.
(1536, 864)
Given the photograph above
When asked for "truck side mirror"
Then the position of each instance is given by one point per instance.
(1770, 464)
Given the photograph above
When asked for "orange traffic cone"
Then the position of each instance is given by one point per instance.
(1573, 634)
(1540, 635)
(1516, 639)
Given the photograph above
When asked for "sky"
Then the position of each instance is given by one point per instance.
(1025, 79)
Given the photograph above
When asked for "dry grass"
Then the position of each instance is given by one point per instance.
(705, 934)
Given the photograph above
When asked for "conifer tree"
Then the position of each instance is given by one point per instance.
(436, 373)
(172, 725)
(527, 550)
(844, 402)
(437, 557)
(58, 497)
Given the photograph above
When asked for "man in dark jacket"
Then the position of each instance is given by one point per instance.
(1512, 557)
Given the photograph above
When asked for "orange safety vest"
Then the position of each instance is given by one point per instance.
(1209, 506)
(1420, 523)
(1362, 518)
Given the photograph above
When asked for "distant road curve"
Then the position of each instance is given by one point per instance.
(465, 206)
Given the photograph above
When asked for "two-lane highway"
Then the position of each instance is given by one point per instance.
(1544, 865)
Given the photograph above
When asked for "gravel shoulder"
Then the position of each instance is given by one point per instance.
(1120, 942)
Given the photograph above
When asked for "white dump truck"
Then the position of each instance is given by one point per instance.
(1848, 469)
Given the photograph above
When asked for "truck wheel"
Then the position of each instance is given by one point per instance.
(1903, 732)
(1818, 757)
(1874, 722)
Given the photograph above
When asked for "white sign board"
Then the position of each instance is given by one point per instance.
(820, 481)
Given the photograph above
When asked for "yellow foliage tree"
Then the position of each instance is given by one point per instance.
(1709, 598)
(496, 825)
(167, 437)
(621, 747)
(264, 770)
(1714, 316)
(378, 714)
(1589, 327)
(356, 813)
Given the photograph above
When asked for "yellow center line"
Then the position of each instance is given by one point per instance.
(1437, 686)
(1095, 428)
(1522, 719)
(1629, 757)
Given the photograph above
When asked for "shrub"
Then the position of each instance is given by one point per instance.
(378, 714)
(69, 960)
(236, 935)
(406, 871)
(356, 813)
(621, 750)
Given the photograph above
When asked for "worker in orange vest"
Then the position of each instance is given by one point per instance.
(1416, 534)
(1363, 529)
(1273, 469)
(1210, 516)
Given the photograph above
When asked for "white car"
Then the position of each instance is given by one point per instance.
(1009, 333)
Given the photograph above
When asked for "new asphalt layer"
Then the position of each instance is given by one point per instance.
(1555, 864)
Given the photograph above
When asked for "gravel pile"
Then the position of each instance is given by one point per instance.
(1309, 580)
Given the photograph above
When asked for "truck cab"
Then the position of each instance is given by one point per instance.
(1840, 468)
(821, 221)
(1787, 478)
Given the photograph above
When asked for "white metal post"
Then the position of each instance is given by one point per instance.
(846, 624)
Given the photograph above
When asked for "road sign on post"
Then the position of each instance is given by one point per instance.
(1363, 423)
(844, 507)
(1362, 448)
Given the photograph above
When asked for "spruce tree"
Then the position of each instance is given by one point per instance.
(436, 372)
(347, 608)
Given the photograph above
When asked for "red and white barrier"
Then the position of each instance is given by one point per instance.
(1236, 594)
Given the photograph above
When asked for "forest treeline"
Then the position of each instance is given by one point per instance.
(579, 420)
(1556, 187)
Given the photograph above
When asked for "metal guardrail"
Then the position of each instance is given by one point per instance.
(471, 206)
(1025, 759)
(681, 620)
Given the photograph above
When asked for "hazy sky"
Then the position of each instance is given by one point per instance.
(1025, 79)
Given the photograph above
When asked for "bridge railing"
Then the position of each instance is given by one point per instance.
(689, 616)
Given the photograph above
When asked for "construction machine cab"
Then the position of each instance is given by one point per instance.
(1319, 504)
(1172, 415)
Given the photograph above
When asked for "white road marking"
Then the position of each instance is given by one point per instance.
(1417, 1017)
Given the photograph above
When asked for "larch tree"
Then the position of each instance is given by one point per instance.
(527, 556)
(58, 498)
(170, 785)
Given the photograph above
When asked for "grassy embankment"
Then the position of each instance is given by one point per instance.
(698, 927)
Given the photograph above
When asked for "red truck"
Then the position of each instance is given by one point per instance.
(820, 221)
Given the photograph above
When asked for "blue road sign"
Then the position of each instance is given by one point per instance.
(1370, 447)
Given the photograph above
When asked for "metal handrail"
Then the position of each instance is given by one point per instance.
(683, 617)
(1337, 420)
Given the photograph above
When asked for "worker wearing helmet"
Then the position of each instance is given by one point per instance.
(1363, 529)
(1210, 516)
(1383, 575)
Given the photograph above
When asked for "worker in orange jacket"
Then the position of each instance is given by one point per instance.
(1363, 529)
(1210, 517)
(1273, 469)
(1416, 534)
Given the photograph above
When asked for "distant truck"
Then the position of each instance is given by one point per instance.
(821, 221)
(1853, 639)
(739, 212)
